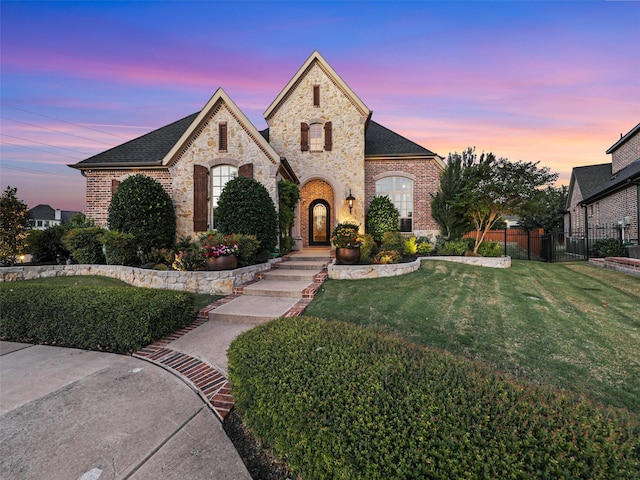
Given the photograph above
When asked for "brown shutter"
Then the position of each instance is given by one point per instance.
(115, 183)
(316, 95)
(246, 170)
(200, 194)
(328, 139)
(304, 137)
(222, 137)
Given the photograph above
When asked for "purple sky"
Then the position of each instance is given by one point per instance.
(555, 82)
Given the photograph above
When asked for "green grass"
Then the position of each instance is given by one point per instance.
(201, 300)
(570, 325)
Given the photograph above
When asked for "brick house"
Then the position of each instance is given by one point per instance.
(608, 194)
(320, 135)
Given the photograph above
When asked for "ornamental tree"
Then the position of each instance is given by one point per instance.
(13, 229)
(382, 217)
(493, 187)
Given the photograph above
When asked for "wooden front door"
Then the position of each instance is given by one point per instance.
(319, 223)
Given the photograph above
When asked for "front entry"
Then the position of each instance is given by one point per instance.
(319, 222)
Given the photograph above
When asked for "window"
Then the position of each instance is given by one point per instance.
(316, 95)
(220, 175)
(400, 192)
(315, 137)
(222, 137)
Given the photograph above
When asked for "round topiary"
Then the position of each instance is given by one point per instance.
(382, 217)
(245, 207)
(143, 208)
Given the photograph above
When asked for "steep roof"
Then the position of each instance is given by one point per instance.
(629, 174)
(46, 212)
(147, 150)
(380, 141)
(623, 139)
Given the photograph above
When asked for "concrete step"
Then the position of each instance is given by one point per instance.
(301, 265)
(277, 288)
(309, 258)
(252, 309)
(287, 275)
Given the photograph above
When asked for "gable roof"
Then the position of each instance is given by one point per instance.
(147, 150)
(380, 141)
(623, 139)
(588, 178)
(47, 212)
(629, 174)
(193, 130)
(316, 59)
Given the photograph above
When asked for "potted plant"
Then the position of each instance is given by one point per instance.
(347, 241)
(219, 251)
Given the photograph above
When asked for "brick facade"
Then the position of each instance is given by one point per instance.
(310, 191)
(626, 154)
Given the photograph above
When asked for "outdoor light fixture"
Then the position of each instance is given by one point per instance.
(350, 200)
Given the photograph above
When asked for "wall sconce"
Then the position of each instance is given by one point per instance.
(350, 200)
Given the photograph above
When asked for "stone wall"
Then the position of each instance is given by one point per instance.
(211, 282)
(358, 272)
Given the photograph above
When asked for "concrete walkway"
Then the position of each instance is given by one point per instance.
(75, 414)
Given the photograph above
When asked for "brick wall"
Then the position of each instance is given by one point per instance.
(312, 190)
(426, 181)
(613, 208)
(99, 186)
(626, 154)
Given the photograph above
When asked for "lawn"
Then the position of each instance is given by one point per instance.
(568, 324)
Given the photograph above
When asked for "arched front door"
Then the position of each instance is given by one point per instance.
(319, 223)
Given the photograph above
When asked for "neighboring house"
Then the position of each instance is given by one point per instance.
(320, 135)
(608, 194)
(42, 217)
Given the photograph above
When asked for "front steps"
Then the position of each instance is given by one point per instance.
(294, 280)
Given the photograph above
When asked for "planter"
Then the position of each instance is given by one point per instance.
(227, 262)
(347, 256)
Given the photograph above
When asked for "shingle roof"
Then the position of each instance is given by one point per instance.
(380, 140)
(590, 177)
(46, 212)
(146, 150)
(630, 173)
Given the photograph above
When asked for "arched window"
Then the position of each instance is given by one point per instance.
(400, 192)
(220, 175)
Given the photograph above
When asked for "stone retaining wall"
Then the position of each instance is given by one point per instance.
(356, 272)
(211, 282)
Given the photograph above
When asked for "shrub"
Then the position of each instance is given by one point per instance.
(120, 248)
(287, 243)
(158, 256)
(245, 207)
(424, 246)
(607, 247)
(47, 246)
(457, 247)
(345, 235)
(249, 246)
(143, 208)
(113, 319)
(85, 244)
(288, 196)
(410, 246)
(392, 241)
(490, 249)
(387, 256)
(368, 247)
(340, 401)
(382, 217)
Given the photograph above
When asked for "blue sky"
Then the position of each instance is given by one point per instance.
(555, 82)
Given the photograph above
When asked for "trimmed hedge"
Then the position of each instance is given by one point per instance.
(341, 401)
(112, 319)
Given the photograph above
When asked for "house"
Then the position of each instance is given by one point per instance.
(606, 196)
(42, 217)
(320, 135)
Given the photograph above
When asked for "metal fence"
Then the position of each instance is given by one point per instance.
(551, 246)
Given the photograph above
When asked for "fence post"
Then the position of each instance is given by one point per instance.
(505, 241)
(528, 244)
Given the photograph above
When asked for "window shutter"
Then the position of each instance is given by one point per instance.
(304, 137)
(200, 194)
(328, 139)
(115, 183)
(246, 170)
(316, 95)
(222, 137)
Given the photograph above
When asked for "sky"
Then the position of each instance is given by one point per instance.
(545, 81)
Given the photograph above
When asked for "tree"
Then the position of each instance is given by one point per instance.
(493, 187)
(13, 229)
(288, 196)
(143, 208)
(245, 207)
(548, 210)
(446, 207)
(382, 217)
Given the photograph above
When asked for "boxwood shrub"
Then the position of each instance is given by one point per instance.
(113, 319)
(341, 401)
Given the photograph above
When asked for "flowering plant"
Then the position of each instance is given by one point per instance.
(346, 235)
(216, 245)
